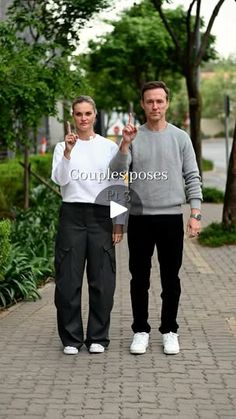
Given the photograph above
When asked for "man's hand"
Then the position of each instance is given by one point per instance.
(70, 141)
(129, 131)
(117, 234)
(193, 227)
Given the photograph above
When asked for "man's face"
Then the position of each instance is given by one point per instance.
(155, 104)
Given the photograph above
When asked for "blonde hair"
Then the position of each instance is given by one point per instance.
(84, 98)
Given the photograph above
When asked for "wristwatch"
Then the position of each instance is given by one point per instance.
(197, 216)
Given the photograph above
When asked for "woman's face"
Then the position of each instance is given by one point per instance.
(84, 116)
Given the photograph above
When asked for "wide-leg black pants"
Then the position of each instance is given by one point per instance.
(84, 237)
(166, 233)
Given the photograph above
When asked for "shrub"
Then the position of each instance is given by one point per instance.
(217, 235)
(19, 279)
(36, 227)
(213, 195)
(207, 165)
(11, 180)
(42, 165)
(5, 247)
(30, 262)
(11, 184)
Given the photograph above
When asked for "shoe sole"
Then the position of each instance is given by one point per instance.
(94, 351)
(171, 353)
(70, 353)
(133, 352)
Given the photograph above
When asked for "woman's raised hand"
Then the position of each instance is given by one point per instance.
(70, 141)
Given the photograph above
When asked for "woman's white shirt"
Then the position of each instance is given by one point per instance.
(86, 174)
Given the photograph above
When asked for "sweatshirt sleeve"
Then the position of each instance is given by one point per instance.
(120, 162)
(191, 174)
(60, 166)
(120, 219)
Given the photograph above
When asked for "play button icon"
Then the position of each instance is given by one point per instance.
(117, 199)
(116, 209)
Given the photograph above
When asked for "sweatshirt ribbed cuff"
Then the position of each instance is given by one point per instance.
(195, 203)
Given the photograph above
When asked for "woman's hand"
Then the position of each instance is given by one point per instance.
(70, 141)
(117, 234)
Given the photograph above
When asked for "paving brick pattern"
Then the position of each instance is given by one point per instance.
(38, 381)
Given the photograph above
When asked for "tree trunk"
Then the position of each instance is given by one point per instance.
(26, 176)
(107, 125)
(194, 97)
(229, 210)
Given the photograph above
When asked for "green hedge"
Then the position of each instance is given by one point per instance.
(216, 234)
(207, 165)
(27, 247)
(11, 180)
(213, 195)
(5, 246)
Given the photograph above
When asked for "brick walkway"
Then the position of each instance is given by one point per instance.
(38, 381)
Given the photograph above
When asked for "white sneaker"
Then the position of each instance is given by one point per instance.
(96, 348)
(140, 343)
(70, 350)
(170, 343)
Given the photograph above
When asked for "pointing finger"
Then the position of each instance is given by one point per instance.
(131, 119)
(68, 127)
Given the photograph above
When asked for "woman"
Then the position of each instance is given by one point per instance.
(86, 233)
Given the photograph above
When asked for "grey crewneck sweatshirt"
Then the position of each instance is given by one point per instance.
(163, 171)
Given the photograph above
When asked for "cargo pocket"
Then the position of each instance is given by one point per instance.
(110, 252)
(61, 256)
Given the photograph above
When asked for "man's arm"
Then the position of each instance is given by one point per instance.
(123, 158)
(193, 189)
(194, 221)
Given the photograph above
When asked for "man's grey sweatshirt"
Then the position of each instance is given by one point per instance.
(163, 172)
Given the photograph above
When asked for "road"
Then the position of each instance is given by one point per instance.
(215, 149)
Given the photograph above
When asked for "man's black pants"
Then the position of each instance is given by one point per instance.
(144, 232)
(84, 236)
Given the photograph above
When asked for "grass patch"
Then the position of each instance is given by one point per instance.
(216, 235)
(213, 195)
(207, 165)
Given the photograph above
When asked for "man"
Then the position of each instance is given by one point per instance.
(163, 173)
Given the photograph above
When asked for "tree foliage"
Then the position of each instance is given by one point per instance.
(137, 50)
(29, 87)
(215, 84)
(191, 56)
(56, 22)
(118, 64)
(35, 44)
(190, 59)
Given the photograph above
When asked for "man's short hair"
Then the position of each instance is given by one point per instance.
(155, 85)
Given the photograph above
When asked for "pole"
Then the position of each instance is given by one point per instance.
(198, 45)
(227, 112)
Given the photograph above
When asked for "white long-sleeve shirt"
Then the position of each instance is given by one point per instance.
(86, 174)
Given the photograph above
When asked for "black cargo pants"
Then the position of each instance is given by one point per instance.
(84, 237)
